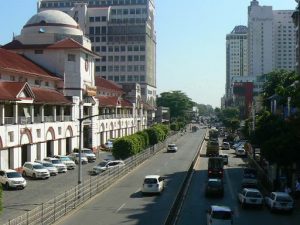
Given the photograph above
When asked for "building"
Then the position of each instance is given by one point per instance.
(123, 33)
(296, 20)
(236, 56)
(271, 39)
(47, 83)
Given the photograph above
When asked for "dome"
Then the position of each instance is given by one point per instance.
(51, 17)
(52, 21)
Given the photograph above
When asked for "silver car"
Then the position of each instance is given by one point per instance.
(49, 166)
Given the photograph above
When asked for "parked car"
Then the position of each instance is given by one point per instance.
(75, 157)
(240, 151)
(67, 161)
(172, 148)
(35, 170)
(108, 145)
(104, 165)
(214, 187)
(225, 158)
(12, 179)
(249, 177)
(219, 215)
(225, 146)
(153, 184)
(279, 201)
(215, 167)
(250, 196)
(61, 168)
(88, 153)
(49, 166)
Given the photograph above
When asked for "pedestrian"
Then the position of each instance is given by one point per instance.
(287, 190)
(297, 189)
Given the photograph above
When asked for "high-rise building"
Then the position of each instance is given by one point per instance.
(122, 32)
(271, 39)
(236, 56)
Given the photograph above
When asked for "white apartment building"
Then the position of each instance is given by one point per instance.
(123, 33)
(271, 39)
(236, 56)
(47, 83)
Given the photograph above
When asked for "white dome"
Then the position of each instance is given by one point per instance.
(52, 21)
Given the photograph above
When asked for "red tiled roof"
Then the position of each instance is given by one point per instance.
(107, 85)
(67, 43)
(49, 96)
(112, 101)
(10, 90)
(13, 62)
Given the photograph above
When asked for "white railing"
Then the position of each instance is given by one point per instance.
(48, 118)
(24, 120)
(49, 212)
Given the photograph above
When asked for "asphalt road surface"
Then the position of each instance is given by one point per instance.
(195, 205)
(123, 202)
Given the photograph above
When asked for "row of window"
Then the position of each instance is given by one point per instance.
(131, 11)
(119, 48)
(118, 38)
(120, 68)
(97, 30)
(128, 20)
(92, 3)
(129, 78)
(122, 58)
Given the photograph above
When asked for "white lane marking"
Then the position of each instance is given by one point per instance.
(120, 207)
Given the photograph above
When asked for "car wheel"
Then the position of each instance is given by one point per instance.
(6, 185)
(243, 204)
(34, 176)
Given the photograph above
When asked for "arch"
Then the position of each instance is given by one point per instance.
(50, 135)
(120, 124)
(26, 136)
(69, 131)
(111, 127)
(102, 127)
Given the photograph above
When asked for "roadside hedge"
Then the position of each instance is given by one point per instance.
(133, 144)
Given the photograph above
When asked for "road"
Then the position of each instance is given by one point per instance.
(193, 211)
(123, 202)
(18, 202)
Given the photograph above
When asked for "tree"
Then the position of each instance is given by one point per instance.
(178, 102)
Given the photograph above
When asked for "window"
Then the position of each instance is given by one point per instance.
(71, 57)
(136, 58)
(123, 58)
(142, 68)
(142, 78)
(116, 58)
(103, 18)
(103, 68)
(38, 133)
(122, 78)
(59, 130)
(116, 78)
(117, 48)
(97, 18)
(97, 48)
(117, 68)
(37, 82)
(129, 48)
(110, 78)
(12, 78)
(136, 68)
(103, 38)
(136, 48)
(110, 68)
(103, 48)
(129, 58)
(47, 84)
(123, 68)
(11, 136)
(38, 52)
(129, 78)
(110, 58)
(129, 68)
(103, 30)
(91, 30)
(92, 19)
(97, 68)
(123, 48)
(110, 49)
(142, 58)
(97, 30)
(103, 59)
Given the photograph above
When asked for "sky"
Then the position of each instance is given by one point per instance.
(191, 37)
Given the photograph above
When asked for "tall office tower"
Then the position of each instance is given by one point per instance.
(271, 39)
(236, 55)
(296, 20)
(122, 32)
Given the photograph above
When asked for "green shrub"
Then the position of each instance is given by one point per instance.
(124, 148)
(174, 126)
(153, 135)
(144, 138)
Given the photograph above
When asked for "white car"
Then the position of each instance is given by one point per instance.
(67, 161)
(153, 184)
(172, 148)
(104, 165)
(280, 201)
(61, 168)
(49, 166)
(250, 196)
(240, 151)
(75, 157)
(35, 170)
(88, 153)
(12, 179)
(219, 215)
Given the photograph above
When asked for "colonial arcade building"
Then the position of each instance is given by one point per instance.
(47, 83)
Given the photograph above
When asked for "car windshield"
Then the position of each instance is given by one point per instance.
(87, 151)
(64, 159)
(171, 145)
(283, 199)
(150, 181)
(221, 215)
(56, 161)
(102, 164)
(13, 175)
(253, 194)
(38, 167)
(214, 183)
(47, 164)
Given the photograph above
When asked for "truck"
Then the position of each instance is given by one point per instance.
(213, 134)
(212, 148)
(215, 167)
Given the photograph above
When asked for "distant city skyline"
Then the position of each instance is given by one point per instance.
(191, 48)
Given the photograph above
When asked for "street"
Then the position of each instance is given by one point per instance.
(193, 211)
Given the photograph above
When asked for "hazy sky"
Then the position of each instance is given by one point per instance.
(190, 40)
